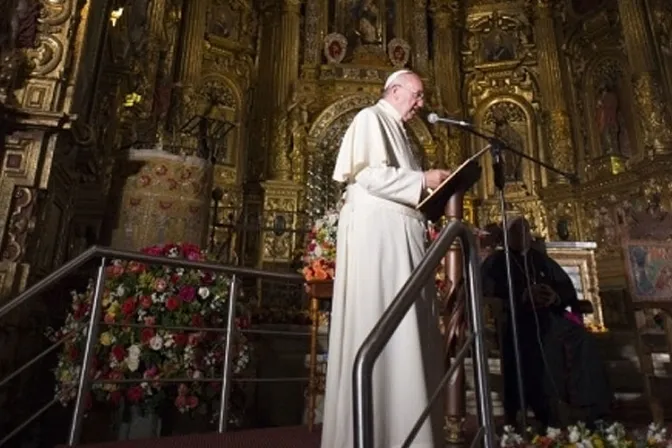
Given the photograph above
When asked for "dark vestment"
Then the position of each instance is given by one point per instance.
(569, 371)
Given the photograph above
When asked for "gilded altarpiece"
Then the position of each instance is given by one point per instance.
(502, 95)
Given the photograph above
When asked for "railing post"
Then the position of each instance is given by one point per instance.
(480, 356)
(89, 350)
(454, 328)
(228, 355)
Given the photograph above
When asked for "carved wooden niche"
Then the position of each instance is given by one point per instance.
(514, 123)
(608, 111)
(367, 24)
(232, 20)
(495, 39)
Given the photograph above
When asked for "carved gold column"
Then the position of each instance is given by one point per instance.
(446, 73)
(285, 74)
(314, 35)
(192, 41)
(560, 131)
(650, 105)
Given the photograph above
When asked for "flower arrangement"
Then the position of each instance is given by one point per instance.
(579, 436)
(135, 351)
(319, 260)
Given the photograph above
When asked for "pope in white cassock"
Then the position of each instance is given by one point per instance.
(381, 239)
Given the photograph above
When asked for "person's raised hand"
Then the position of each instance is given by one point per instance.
(433, 178)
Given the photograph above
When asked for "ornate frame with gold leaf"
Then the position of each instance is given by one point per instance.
(578, 259)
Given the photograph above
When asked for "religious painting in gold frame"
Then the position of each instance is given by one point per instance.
(578, 261)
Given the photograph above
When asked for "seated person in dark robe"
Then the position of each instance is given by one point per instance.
(562, 370)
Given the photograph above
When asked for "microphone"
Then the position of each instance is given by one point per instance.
(434, 118)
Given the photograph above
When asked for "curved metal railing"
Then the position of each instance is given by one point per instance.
(382, 332)
(85, 381)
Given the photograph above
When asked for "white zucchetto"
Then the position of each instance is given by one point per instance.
(393, 77)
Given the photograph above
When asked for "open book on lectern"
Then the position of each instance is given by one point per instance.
(461, 179)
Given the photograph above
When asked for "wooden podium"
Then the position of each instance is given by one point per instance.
(448, 200)
(317, 290)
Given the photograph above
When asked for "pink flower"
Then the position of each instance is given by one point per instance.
(155, 251)
(160, 285)
(187, 293)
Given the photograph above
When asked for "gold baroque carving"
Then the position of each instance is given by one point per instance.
(57, 11)
(497, 39)
(652, 113)
(47, 56)
(560, 135)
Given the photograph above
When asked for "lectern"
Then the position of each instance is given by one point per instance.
(448, 200)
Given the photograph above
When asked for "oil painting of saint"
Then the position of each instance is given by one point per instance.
(497, 49)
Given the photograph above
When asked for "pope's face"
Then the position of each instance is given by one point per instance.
(410, 97)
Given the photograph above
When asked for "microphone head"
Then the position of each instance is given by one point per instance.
(432, 118)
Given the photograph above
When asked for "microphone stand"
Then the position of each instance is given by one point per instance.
(496, 148)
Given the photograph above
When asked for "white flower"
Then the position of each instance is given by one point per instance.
(134, 351)
(132, 364)
(553, 433)
(574, 435)
(156, 343)
(203, 292)
(121, 291)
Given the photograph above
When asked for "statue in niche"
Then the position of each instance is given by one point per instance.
(497, 49)
(367, 18)
(504, 131)
(609, 119)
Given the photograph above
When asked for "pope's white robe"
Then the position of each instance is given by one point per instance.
(381, 239)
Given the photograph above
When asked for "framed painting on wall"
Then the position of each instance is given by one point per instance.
(578, 261)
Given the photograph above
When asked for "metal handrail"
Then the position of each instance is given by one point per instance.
(98, 251)
(85, 381)
(382, 332)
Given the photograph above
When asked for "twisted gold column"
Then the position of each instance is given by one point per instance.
(654, 117)
(559, 125)
(285, 75)
(192, 44)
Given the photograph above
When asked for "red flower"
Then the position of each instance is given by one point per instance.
(181, 402)
(180, 339)
(135, 394)
(174, 279)
(207, 278)
(128, 306)
(155, 251)
(145, 302)
(192, 402)
(191, 252)
(172, 303)
(115, 270)
(188, 293)
(196, 320)
(119, 352)
(146, 334)
(136, 268)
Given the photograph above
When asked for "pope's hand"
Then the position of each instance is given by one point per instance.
(433, 178)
